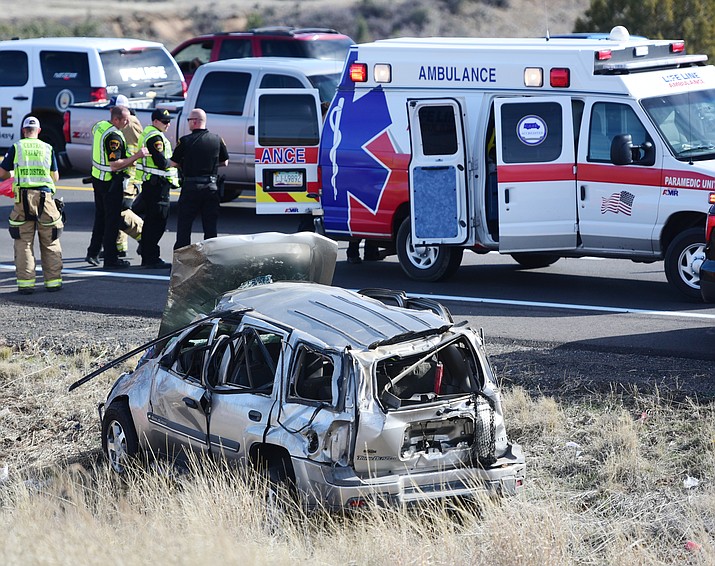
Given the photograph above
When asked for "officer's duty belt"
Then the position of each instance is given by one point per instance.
(204, 179)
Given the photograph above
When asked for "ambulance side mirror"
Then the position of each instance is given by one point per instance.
(621, 147)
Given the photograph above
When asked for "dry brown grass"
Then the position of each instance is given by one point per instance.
(604, 486)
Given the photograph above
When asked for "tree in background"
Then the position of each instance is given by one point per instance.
(691, 20)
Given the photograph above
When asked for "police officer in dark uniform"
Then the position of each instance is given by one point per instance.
(199, 155)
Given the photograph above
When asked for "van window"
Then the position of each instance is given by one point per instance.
(235, 49)
(64, 68)
(13, 68)
(280, 81)
(287, 120)
(136, 71)
(438, 130)
(515, 149)
(224, 93)
(608, 120)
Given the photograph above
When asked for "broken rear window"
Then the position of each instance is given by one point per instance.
(448, 370)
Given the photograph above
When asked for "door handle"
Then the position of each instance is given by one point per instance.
(255, 416)
(460, 167)
(20, 97)
(506, 196)
(583, 192)
(251, 130)
(190, 403)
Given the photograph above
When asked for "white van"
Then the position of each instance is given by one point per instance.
(539, 148)
(44, 76)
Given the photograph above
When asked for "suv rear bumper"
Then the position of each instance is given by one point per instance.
(340, 488)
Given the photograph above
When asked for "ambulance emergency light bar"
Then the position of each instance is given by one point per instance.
(559, 77)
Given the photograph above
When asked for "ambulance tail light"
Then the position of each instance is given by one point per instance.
(560, 77)
(534, 77)
(603, 55)
(98, 94)
(358, 72)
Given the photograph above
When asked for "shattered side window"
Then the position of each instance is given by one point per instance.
(192, 351)
(312, 378)
(449, 370)
(251, 361)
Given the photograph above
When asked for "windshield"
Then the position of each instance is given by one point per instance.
(335, 49)
(326, 85)
(139, 72)
(687, 122)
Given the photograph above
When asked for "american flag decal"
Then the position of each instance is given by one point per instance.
(618, 202)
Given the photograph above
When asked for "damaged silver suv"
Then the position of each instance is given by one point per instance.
(349, 397)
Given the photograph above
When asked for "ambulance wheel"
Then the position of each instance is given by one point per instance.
(683, 258)
(534, 261)
(426, 263)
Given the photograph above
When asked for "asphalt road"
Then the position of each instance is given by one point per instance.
(595, 304)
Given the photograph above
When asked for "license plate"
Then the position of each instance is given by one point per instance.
(287, 179)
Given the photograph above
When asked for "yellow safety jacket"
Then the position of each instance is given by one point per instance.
(33, 159)
(100, 160)
(146, 166)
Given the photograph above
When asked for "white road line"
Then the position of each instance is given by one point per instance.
(101, 273)
(453, 298)
(569, 306)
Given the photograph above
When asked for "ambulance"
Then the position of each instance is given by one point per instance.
(540, 148)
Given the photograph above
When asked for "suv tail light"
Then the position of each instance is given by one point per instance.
(97, 94)
(184, 88)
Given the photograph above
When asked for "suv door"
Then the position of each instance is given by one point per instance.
(244, 374)
(15, 93)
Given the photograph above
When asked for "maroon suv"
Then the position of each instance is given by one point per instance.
(314, 43)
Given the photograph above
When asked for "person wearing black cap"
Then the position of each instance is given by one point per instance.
(199, 155)
(157, 178)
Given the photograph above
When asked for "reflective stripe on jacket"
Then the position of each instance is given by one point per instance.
(32, 165)
(146, 166)
(100, 161)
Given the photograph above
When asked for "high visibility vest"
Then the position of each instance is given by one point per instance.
(146, 166)
(33, 159)
(100, 161)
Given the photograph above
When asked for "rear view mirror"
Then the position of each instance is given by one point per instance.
(621, 149)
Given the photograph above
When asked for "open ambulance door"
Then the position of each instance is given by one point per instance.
(536, 173)
(288, 125)
(438, 179)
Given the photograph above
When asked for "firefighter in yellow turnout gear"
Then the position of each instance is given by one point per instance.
(35, 167)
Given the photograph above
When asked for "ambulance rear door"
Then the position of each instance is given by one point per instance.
(438, 180)
(536, 170)
(288, 124)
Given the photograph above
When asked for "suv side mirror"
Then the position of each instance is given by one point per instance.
(621, 149)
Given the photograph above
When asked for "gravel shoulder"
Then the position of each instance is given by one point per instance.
(558, 370)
